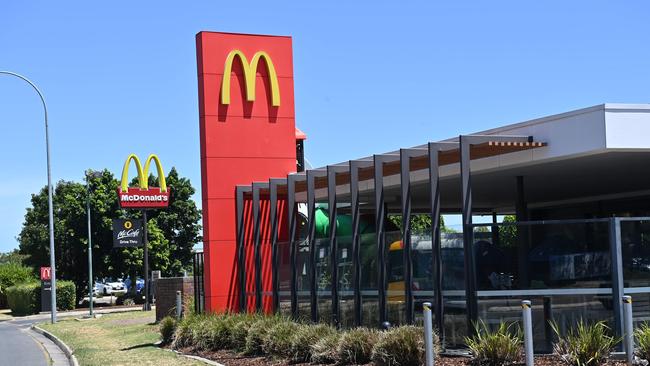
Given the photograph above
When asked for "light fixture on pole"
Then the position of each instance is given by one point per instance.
(49, 193)
(90, 174)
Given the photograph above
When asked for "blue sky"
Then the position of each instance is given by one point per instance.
(120, 77)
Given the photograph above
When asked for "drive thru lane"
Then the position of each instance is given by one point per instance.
(18, 347)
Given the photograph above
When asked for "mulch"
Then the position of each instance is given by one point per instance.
(230, 358)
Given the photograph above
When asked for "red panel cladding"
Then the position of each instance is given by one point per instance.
(241, 142)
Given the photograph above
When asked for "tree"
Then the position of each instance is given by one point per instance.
(420, 224)
(172, 232)
(12, 257)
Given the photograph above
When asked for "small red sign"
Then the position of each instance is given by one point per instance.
(46, 273)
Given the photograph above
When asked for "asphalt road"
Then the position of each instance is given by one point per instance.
(17, 347)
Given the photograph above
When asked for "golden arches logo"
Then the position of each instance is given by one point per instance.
(143, 175)
(143, 196)
(250, 72)
(128, 224)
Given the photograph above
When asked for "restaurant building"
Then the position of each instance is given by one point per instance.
(335, 243)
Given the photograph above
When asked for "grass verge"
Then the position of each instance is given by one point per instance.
(116, 339)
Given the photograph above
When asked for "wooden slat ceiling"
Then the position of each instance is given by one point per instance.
(446, 157)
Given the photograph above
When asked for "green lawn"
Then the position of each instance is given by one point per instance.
(116, 339)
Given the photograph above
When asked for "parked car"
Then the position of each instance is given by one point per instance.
(139, 284)
(109, 287)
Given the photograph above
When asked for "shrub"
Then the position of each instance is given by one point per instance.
(24, 299)
(355, 346)
(212, 332)
(495, 348)
(167, 328)
(277, 341)
(239, 331)
(184, 334)
(65, 295)
(586, 344)
(402, 346)
(642, 335)
(256, 333)
(304, 339)
(324, 351)
(12, 274)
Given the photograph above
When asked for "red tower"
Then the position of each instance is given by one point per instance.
(247, 127)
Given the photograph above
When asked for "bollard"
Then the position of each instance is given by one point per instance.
(628, 338)
(528, 332)
(428, 333)
(179, 305)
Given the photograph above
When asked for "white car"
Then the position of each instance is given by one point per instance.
(111, 287)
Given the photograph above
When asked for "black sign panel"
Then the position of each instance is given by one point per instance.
(46, 295)
(127, 233)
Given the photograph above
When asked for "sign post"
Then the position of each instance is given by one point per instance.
(147, 305)
(142, 197)
(46, 289)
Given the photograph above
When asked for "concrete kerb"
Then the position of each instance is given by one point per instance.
(64, 347)
(197, 358)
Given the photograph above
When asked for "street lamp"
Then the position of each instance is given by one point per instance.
(90, 174)
(49, 193)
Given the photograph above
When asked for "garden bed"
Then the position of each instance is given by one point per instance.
(230, 358)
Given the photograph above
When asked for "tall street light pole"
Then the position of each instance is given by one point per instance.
(90, 174)
(49, 193)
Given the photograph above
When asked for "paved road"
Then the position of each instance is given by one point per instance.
(18, 347)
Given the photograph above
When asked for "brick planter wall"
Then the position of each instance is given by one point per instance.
(165, 292)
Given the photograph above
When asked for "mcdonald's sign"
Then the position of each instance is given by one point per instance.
(143, 196)
(250, 72)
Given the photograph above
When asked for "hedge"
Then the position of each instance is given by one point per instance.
(25, 299)
(12, 274)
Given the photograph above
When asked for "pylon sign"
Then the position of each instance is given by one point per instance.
(143, 196)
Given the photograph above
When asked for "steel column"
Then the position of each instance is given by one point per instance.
(356, 242)
(311, 233)
(618, 287)
(405, 183)
(436, 255)
(273, 213)
(258, 243)
(291, 213)
(332, 170)
(241, 252)
(468, 234)
(380, 220)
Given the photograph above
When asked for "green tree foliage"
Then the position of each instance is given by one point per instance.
(508, 233)
(13, 257)
(420, 224)
(172, 231)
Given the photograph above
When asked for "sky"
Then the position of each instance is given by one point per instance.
(370, 77)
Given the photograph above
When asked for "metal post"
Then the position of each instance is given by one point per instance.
(331, 205)
(291, 213)
(428, 333)
(147, 305)
(273, 213)
(311, 234)
(468, 235)
(405, 183)
(90, 251)
(528, 331)
(356, 242)
(50, 205)
(628, 339)
(241, 250)
(257, 256)
(617, 273)
(436, 256)
(549, 334)
(380, 219)
(179, 305)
